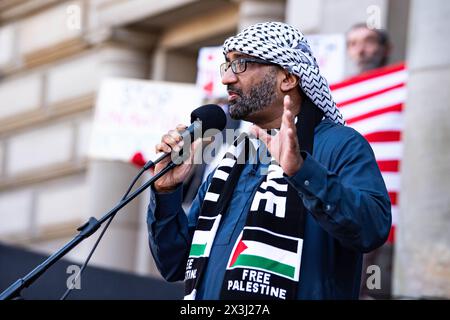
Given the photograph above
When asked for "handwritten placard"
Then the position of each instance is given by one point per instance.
(209, 80)
(329, 50)
(131, 116)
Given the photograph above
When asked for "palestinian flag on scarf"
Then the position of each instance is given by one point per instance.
(273, 253)
(204, 236)
(372, 104)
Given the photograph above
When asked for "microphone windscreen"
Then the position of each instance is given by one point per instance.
(211, 115)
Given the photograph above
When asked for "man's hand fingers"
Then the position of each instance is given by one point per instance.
(181, 127)
(288, 119)
(172, 142)
(195, 151)
(175, 135)
(292, 138)
(162, 147)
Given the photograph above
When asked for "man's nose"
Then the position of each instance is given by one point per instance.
(361, 50)
(229, 77)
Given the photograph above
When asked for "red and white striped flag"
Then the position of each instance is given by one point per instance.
(372, 103)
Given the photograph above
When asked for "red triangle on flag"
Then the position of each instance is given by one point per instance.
(209, 87)
(239, 248)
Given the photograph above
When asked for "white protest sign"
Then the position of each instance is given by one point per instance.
(208, 76)
(132, 115)
(329, 50)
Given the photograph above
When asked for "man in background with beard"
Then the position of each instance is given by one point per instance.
(290, 209)
(367, 48)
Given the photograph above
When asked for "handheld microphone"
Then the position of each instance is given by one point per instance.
(209, 116)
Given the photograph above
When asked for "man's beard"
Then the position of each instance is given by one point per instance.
(260, 97)
(376, 61)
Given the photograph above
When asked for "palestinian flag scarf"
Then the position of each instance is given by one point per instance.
(266, 258)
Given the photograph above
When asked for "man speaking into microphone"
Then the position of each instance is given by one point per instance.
(290, 209)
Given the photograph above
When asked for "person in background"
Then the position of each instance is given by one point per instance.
(369, 49)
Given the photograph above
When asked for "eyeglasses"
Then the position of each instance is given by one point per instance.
(239, 65)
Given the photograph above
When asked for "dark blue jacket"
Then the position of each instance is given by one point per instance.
(348, 214)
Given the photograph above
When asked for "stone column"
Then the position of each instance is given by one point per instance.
(108, 180)
(158, 64)
(422, 253)
(397, 26)
(145, 264)
(254, 11)
(173, 66)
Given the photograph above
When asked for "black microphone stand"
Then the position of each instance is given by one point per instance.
(86, 230)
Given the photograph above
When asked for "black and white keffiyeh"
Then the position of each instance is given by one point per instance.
(286, 46)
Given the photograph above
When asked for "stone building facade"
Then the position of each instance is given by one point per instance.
(53, 56)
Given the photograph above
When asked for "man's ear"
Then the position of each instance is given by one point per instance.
(289, 81)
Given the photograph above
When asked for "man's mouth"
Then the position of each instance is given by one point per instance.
(232, 95)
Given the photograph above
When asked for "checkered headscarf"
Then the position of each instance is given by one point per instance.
(286, 46)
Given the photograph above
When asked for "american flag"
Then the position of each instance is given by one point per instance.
(372, 103)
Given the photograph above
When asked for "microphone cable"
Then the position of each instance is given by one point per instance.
(70, 289)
